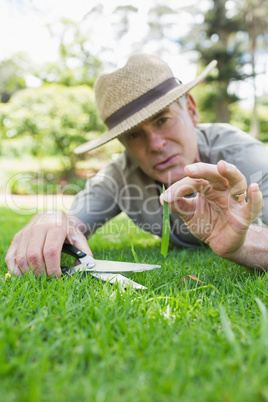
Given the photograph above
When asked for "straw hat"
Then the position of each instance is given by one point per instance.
(135, 93)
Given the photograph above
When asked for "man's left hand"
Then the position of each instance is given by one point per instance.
(219, 214)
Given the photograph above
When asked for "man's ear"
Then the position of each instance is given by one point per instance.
(192, 109)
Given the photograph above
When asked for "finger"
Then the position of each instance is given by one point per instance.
(208, 172)
(11, 256)
(255, 202)
(21, 256)
(34, 253)
(185, 207)
(52, 250)
(237, 181)
(77, 238)
(184, 187)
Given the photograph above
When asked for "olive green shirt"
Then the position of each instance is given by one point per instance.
(123, 186)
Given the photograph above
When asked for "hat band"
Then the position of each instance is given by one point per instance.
(141, 102)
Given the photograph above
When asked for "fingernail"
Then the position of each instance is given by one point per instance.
(167, 196)
(254, 187)
(228, 166)
(191, 168)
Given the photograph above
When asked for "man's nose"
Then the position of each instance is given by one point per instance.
(156, 141)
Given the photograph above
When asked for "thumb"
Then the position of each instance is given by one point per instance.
(77, 239)
(255, 202)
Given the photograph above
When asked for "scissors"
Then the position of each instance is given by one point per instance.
(105, 270)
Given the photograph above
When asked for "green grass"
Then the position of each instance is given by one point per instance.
(79, 339)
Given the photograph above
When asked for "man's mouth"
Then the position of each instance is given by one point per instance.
(165, 163)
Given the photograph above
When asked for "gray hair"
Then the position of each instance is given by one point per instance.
(182, 101)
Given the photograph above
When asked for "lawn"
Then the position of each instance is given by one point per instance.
(77, 339)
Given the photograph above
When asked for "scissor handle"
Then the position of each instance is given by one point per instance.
(65, 270)
(73, 251)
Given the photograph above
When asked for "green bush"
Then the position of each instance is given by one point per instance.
(52, 120)
(241, 118)
(45, 183)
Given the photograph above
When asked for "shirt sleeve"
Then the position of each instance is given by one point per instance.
(98, 202)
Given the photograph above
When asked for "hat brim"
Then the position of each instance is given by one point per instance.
(146, 113)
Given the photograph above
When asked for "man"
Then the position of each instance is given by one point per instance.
(205, 167)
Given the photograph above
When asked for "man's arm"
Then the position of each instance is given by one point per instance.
(219, 214)
(254, 251)
(38, 245)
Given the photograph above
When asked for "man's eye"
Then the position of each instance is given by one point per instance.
(132, 136)
(162, 120)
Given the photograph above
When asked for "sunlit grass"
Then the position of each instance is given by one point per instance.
(79, 339)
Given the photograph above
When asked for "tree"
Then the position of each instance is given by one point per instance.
(76, 65)
(216, 38)
(52, 120)
(123, 13)
(12, 76)
(254, 13)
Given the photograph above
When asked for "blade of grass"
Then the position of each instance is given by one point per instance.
(166, 228)
(134, 254)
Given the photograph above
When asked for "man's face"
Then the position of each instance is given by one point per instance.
(163, 145)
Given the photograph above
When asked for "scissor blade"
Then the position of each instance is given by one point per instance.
(113, 267)
(121, 267)
(113, 278)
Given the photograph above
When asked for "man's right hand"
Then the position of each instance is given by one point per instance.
(38, 245)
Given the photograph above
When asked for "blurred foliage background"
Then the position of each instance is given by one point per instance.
(41, 126)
